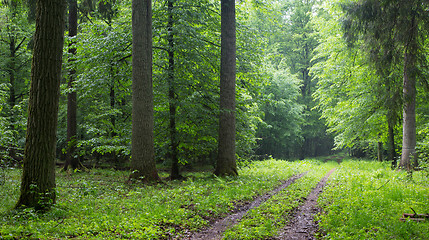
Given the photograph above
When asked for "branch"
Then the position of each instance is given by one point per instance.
(123, 58)
(19, 45)
(207, 41)
(85, 15)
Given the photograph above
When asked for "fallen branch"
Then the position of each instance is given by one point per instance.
(412, 219)
(414, 216)
(383, 185)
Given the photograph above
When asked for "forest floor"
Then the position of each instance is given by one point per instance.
(216, 230)
(301, 227)
(271, 199)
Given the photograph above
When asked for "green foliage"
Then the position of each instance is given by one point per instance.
(103, 83)
(288, 40)
(422, 153)
(354, 100)
(99, 204)
(365, 200)
(266, 220)
(3, 121)
(280, 125)
(422, 147)
(15, 56)
(362, 200)
(196, 59)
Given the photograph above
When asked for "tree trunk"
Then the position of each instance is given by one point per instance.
(226, 164)
(38, 177)
(409, 93)
(380, 151)
(71, 160)
(12, 95)
(175, 173)
(142, 145)
(391, 141)
(112, 105)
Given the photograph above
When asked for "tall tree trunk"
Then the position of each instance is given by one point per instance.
(391, 140)
(112, 107)
(175, 173)
(409, 93)
(12, 71)
(12, 75)
(304, 151)
(12, 95)
(71, 160)
(226, 163)
(142, 145)
(38, 176)
(14, 47)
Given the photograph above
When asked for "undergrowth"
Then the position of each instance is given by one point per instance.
(266, 220)
(100, 205)
(365, 200)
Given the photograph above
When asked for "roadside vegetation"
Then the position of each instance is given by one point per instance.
(266, 220)
(366, 199)
(100, 204)
(363, 200)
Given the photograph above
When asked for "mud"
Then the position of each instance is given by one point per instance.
(216, 230)
(302, 226)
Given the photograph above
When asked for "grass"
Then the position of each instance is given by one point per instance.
(365, 200)
(266, 220)
(99, 205)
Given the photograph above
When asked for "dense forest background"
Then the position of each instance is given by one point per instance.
(304, 87)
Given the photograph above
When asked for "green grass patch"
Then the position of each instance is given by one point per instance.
(365, 200)
(99, 205)
(267, 219)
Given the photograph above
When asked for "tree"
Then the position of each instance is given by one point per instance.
(38, 177)
(358, 104)
(175, 174)
(142, 144)
(282, 114)
(103, 87)
(186, 56)
(397, 28)
(226, 163)
(71, 159)
(298, 48)
(15, 56)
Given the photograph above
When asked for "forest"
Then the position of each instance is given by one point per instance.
(230, 119)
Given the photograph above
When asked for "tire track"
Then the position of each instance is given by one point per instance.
(302, 225)
(216, 231)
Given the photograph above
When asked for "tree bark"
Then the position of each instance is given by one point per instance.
(380, 151)
(226, 163)
(71, 160)
(112, 105)
(172, 99)
(38, 177)
(142, 145)
(12, 95)
(409, 94)
(391, 142)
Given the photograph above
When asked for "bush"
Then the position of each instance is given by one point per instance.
(422, 153)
